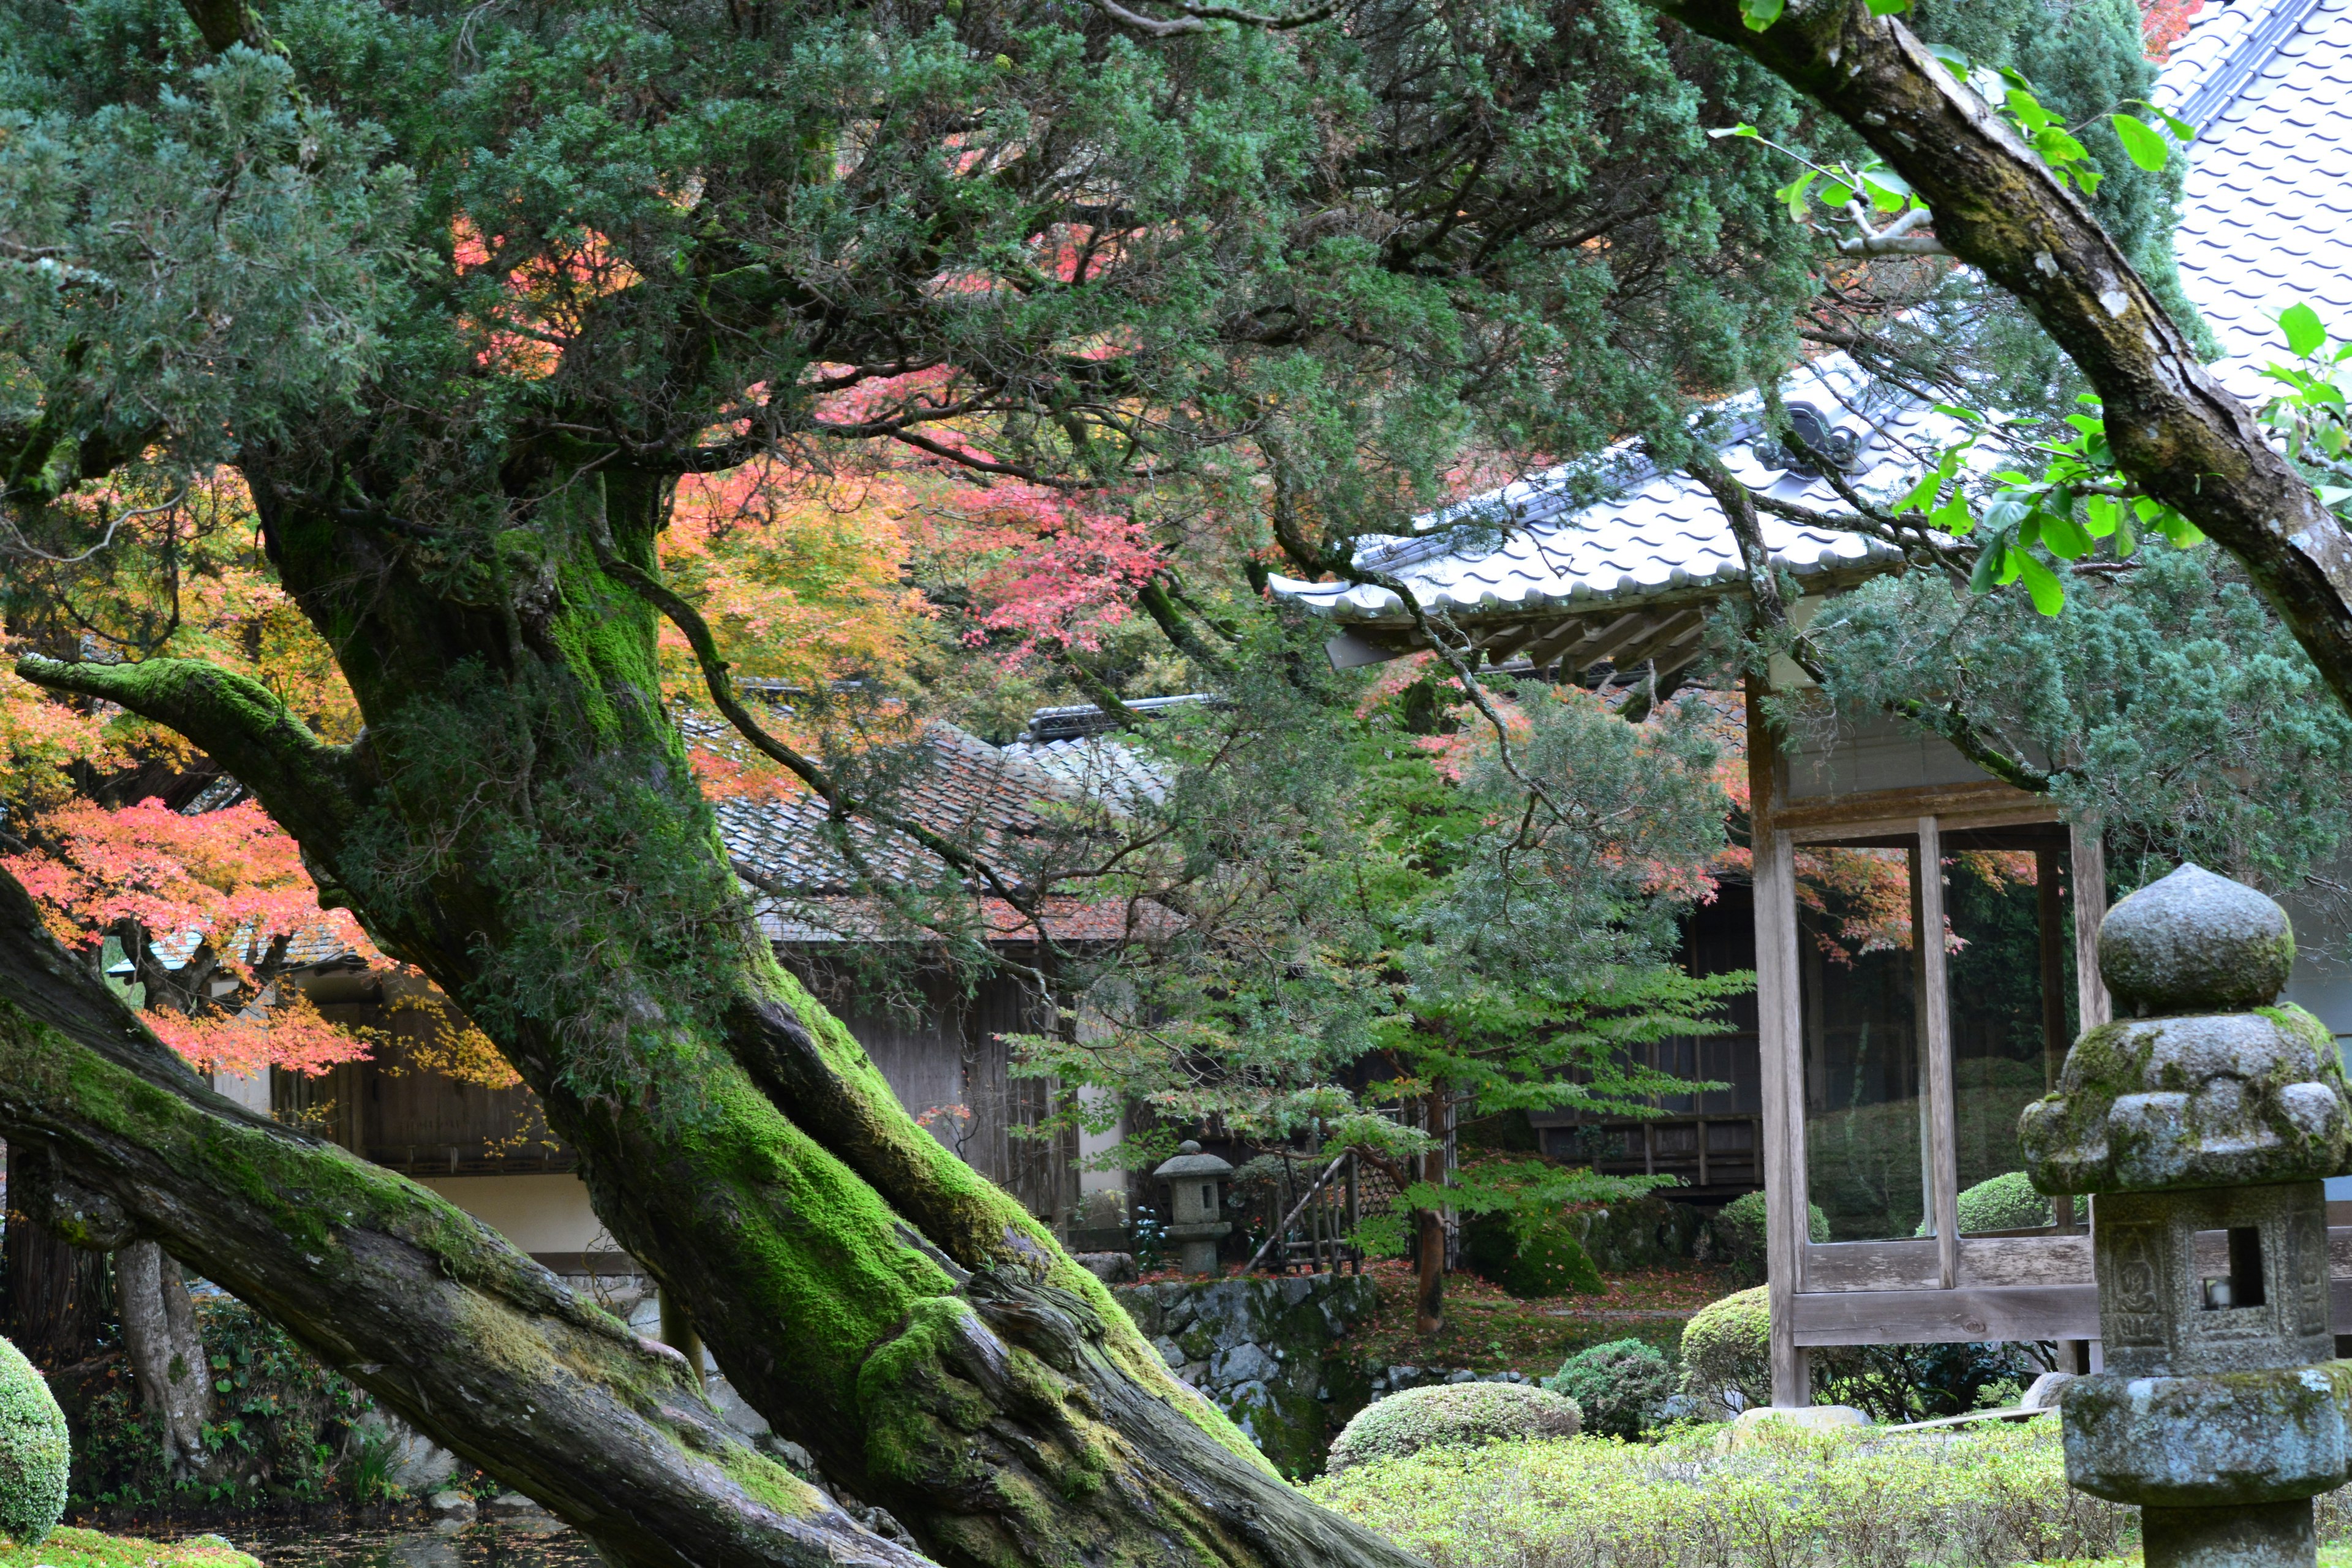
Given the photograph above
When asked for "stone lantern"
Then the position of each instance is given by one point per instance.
(2201, 1122)
(1193, 1179)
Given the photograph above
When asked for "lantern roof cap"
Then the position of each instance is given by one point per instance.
(2195, 942)
(1190, 1162)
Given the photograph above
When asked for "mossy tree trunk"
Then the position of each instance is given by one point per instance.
(56, 1294)
(426, 1308)
(519, 821)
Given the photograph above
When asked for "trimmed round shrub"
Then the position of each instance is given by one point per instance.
(1621, 1387)
(1459, 1413)
(1742, 1221)
(34, 1451)
(2007, 1202)
(1531, 1259)
(1551, 1262)
(1729, 1346)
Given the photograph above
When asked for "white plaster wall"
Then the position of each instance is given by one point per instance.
(537, 1213)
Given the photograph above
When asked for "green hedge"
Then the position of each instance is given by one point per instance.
(34, 1451)
(1621, 1387)
(1795, 1499)
(1450, 1414)
(1727, 1345)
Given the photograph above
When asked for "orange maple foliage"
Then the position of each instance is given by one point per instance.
(799, 575)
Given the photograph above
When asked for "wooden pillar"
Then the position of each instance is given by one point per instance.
(1937, 1157)
(2090, 856)
(2092, 1005)
(1779, 1041)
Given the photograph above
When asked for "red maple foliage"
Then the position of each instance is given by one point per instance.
(2163, 23)
(219, 898)
(1049, 573)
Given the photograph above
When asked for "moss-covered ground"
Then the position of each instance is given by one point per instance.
(1489, 1329)
(70, 1548)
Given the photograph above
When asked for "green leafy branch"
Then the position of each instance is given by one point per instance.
(2080, 503)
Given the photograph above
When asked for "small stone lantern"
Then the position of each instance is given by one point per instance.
(1192, 1178)
(2202, 1122)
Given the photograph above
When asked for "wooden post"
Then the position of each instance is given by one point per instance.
(2090, 855)
(1779, 1041)
(1939, 1157)
(2092, 1006)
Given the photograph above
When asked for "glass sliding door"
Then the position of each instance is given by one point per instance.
(2008, 910)
(1860, 990)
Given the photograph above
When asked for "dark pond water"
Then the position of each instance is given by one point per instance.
(479, 1546)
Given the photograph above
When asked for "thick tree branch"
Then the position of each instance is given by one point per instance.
(2174, 430)
(696, 631)
(419, 1303)
(1196, 19)
(312, 788)
(1160, 606)
(227, 23)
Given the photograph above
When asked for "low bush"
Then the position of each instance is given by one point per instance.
(1532, 1258)
(1794, 1498)
(1451, 1415)
(1728, 1352)
(1621, 1387)
(34, 1451)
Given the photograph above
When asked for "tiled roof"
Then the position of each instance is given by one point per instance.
(2268, 203)
(2266, 215)
(968, 792)
(1096, 765)
(957, 785)
(1661, 539)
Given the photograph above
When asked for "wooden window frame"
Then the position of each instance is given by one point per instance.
(1937, 1288)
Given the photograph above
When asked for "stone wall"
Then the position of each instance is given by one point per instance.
(1272, 1353)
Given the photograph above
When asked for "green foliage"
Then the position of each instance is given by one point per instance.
(2167, 704)
(34, 1451)
(1898, 1383)
(1451, 1415)
(1727, 1350)
(1288, 234)
(281, 1430)
(1622, 1387)
(1496, 933)
(1990, 1497)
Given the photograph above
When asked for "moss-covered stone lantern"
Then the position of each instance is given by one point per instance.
(2202, 1122)
(1192, 1180)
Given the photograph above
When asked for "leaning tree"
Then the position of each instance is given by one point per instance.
(460, 291)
